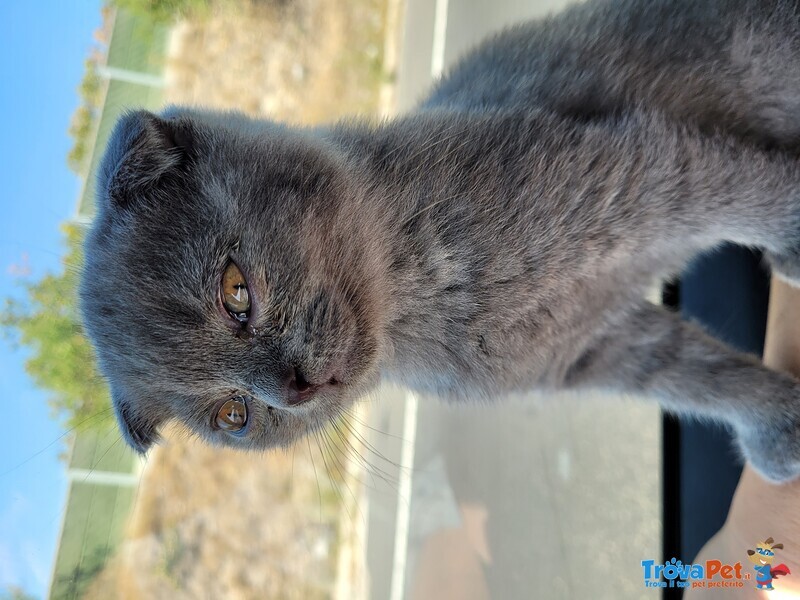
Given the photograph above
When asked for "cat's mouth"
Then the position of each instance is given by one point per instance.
(298, 390)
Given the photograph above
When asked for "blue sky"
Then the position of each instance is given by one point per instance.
(45, 44)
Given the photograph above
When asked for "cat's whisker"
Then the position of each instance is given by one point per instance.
(328, 470)
(316, 476)
(361, 422)
(374, 451)
(371, 470)
(346, 453)
(343, 474)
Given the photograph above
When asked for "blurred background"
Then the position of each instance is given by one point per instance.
(529, 498)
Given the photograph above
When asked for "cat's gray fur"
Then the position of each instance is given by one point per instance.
(500, 238)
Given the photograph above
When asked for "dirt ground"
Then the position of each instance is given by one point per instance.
(213, 523)
(302, 61)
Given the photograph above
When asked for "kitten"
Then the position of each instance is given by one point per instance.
(251, 279)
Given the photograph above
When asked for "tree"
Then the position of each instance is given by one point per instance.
(16, 593)
(75, 583)
(62, 361)
(90, 91)
(80, 129)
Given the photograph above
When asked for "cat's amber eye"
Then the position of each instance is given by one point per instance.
(231, 416)
(235, 295)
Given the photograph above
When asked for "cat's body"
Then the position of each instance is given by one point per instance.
(500, 238)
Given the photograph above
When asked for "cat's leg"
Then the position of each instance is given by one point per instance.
(655, 353)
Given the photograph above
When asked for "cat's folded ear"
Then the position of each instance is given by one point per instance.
(139, 426)
(143, 149)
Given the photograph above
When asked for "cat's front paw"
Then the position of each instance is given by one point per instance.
(772, 449)
(786, 265)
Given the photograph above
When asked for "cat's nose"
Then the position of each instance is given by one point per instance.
(299, 389)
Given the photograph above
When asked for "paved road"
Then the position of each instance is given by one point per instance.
(570, 489)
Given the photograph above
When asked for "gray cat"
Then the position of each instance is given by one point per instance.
(251, 279)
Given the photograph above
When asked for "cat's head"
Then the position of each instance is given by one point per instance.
(233, 279)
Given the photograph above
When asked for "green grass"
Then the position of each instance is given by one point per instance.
(166, 10)
(92, 529)
(96, 514)
(121, 97)
(138, 45)
(102, 450)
